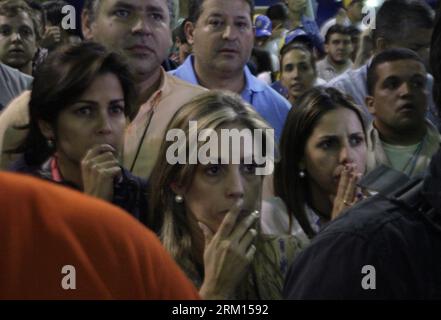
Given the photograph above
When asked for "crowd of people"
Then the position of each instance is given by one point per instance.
(113, 158)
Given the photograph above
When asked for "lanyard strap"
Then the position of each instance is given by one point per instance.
(155, 101)
(413, 160)
(55, 172)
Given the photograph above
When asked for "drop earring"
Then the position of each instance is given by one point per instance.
(179, 198)
(302, 174)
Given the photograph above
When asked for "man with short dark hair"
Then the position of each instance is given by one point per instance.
(400, 137)
(399, 24)
(140, 30)
(338, 48)
(183, 48)
(222, 35)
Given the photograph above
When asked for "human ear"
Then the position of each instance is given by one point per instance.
(176, 188)
(380, 44)
(370, 103)
(86, 25)
(46, 130)
(189, 32)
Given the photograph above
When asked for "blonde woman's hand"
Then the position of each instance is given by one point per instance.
(347, 191)
(99, 168)
(228, 254)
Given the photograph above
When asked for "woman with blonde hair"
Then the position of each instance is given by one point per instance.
(207, 212)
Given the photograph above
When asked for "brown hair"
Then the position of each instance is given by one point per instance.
(195, 9)
(301, 121)
(59, 81)
(211, 110)
(287, 48)
(11, 8)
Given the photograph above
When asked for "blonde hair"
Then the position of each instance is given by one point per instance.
(211, 110)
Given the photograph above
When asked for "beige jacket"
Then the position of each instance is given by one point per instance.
(376, 154)
(154, 114)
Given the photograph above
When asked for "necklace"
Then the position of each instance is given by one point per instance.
(414, 158)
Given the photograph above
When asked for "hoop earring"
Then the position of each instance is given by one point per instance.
(179, 198)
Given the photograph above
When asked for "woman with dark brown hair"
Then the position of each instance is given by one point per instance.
(322, 157)
(298, 71)
(81, 98)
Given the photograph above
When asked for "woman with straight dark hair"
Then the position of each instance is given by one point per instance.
(322, 157)
(298, 71)
(81, 98)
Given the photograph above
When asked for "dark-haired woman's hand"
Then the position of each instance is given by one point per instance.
(99, 169)
(228, 254)
(347, 191)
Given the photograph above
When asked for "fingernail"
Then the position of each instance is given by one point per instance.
(239, 203)
(253, 232)
(202, 227)
(256, 213)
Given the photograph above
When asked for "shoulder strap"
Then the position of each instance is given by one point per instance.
(383, 180)
(410, 194)
(412, 198)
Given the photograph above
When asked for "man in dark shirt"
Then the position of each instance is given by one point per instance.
(386, 247)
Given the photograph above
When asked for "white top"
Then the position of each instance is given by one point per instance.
(274, 220)
(401, 156)
(380, 153)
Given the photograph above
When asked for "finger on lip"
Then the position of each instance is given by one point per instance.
(237, 206)
(103, 148)
(350, 166)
